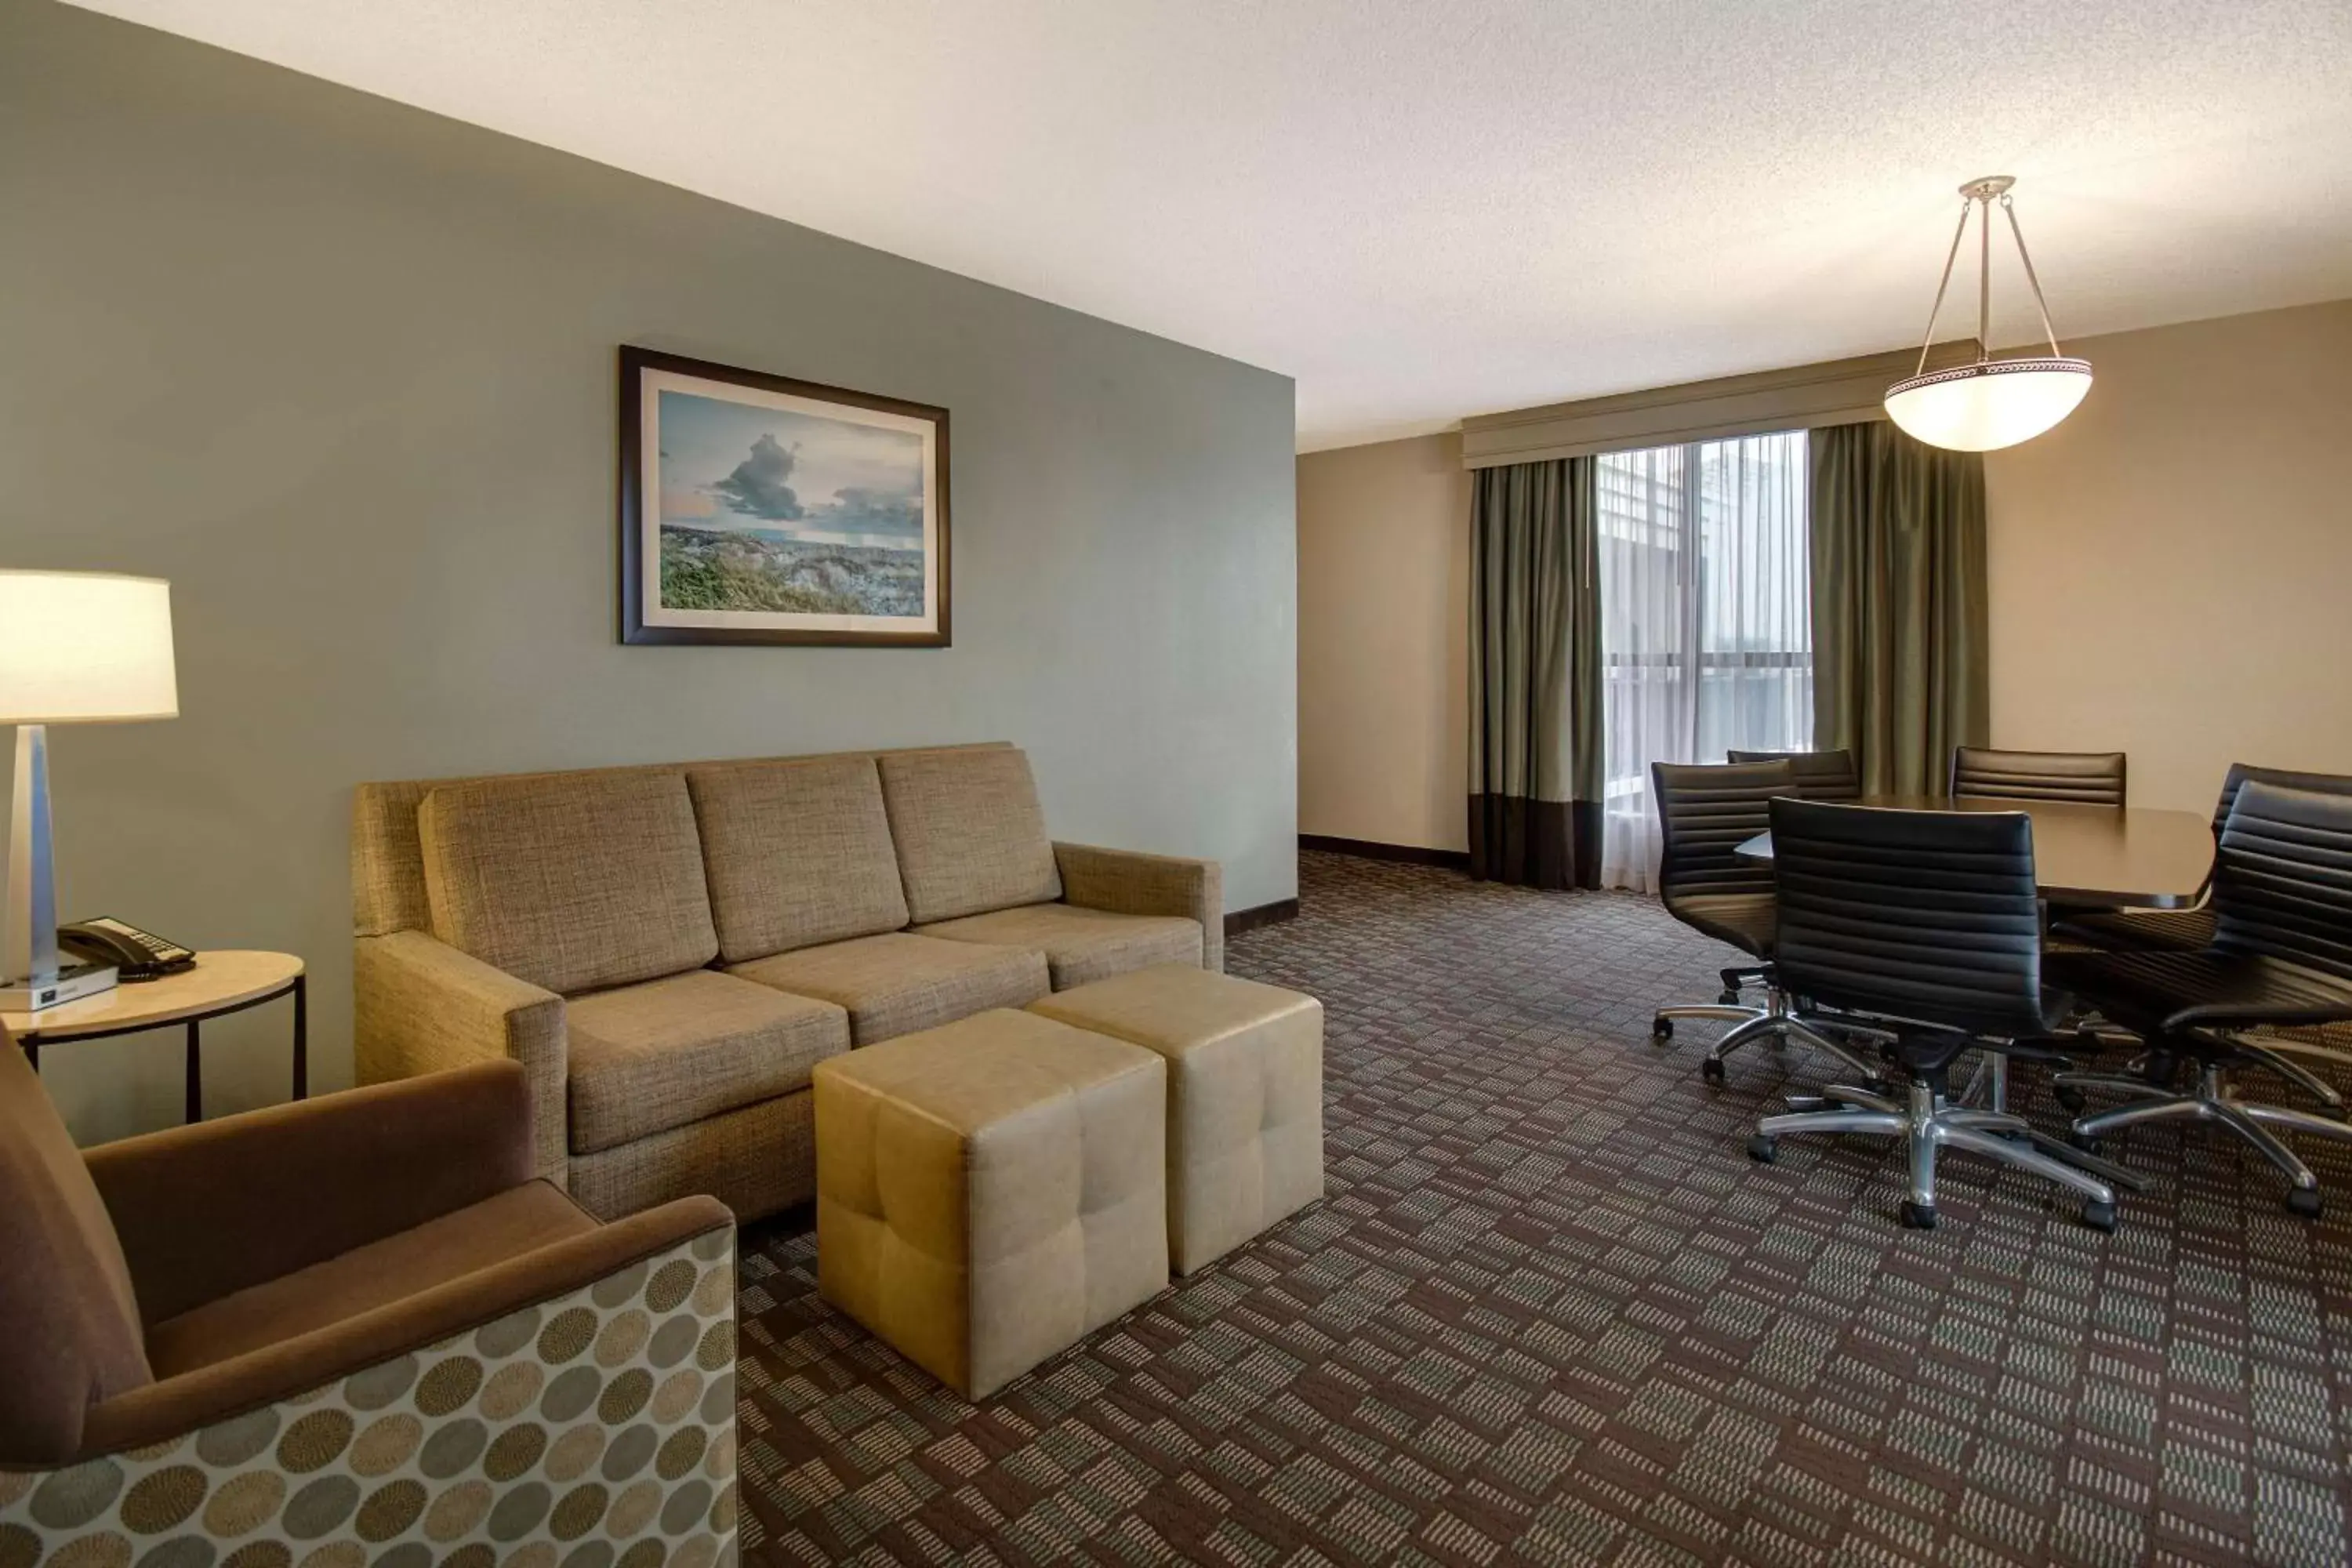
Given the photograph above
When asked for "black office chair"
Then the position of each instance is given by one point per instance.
(1923, 923)
(1704, 813)
(2185, 931)
(1819, 775)
(2088, 778)
(2281, 954)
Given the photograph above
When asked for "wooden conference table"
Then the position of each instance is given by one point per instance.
(2113, 857)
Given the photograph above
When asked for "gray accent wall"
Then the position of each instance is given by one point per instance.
(344, 371)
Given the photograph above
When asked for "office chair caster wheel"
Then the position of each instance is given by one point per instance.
(1711, 1070)
(2099, 1216)
(2070, 1097)
(1729, 996)
(2304, 1202)
(1918, 1217)
(1662, 1029)
(1763, 1149)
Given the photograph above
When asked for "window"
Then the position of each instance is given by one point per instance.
(1706, 619)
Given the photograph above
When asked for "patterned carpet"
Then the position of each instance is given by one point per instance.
(1550, 1313)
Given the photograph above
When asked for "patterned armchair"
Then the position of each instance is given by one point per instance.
(352, 1330)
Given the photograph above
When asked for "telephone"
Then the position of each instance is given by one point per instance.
(135, 955)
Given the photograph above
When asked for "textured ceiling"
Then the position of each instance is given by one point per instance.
(1424, 210)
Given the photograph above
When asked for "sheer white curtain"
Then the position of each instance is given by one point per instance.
(1706, 620)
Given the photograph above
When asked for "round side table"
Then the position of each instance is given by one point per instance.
(222, 983)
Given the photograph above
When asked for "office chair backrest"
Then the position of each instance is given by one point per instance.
(2088, 778)
(2241, 774)
(1819, 775)
(1704, 813)
(2283, 883)
(1924, 915)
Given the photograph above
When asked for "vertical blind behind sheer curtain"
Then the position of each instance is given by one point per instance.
(1706, 620)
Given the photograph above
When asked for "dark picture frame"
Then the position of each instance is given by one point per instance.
(818, 556)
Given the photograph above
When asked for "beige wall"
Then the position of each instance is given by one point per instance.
(344, 373)
(2170, 567)
(2169, 574)
(1383, 605)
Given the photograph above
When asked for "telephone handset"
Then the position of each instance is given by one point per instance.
(135, 955)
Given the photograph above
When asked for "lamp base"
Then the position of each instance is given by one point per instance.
(74, 982)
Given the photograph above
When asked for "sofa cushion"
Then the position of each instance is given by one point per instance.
(897, 984)
(669, 1053)
(572, 881)
(1081, 945)
(797, 854)
(69, 1318)
(969, 833)
(407, 1263)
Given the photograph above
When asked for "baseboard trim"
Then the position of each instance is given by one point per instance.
(1273, 914)
(1367, 850)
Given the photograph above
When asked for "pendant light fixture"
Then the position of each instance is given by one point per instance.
(1993, 403)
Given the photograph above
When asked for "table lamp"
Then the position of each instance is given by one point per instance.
(76, 647)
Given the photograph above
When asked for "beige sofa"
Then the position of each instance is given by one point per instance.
(669, 951)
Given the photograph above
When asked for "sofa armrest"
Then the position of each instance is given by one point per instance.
(420, 1005)
(699, 1231)
(214, 1207)
(1127, 882)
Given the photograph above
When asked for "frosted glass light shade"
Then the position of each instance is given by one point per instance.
(1989, 405)
(85, 648)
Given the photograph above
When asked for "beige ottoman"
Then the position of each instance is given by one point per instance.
(990, 1191)
(1244, 1095)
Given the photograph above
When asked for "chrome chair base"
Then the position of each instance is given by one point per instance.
(1930, 1124)
(2213, 1103)
(1777, 1021)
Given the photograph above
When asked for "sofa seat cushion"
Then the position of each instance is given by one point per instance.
(365, 1279)
(1082, 945)
(797, 854)
(572, 881)
(897, 982)
(672, 1052)
(971, 834)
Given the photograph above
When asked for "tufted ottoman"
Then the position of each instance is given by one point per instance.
(990, 1191)
(1244, 1095)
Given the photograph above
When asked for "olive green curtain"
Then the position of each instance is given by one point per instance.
(1535, 675)
(1899, 641)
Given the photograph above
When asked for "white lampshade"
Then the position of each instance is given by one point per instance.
(85, 648)
(1989, 405)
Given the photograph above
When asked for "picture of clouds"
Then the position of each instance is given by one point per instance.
(783, 511)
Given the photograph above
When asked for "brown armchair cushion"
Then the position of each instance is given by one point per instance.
(69, 1331)
(450, 1247)
(572, 881)
(969, 833)
(207, 1210)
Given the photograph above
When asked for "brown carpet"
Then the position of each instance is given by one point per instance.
(1550, 1313)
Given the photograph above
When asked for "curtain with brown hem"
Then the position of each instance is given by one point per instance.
(1535, 675)
(1898, 593)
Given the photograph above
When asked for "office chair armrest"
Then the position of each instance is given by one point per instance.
(1130, 882)
(675, 1261)
(211, 1208)
(419, 1006)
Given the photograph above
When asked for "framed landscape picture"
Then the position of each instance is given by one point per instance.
(760, 510)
